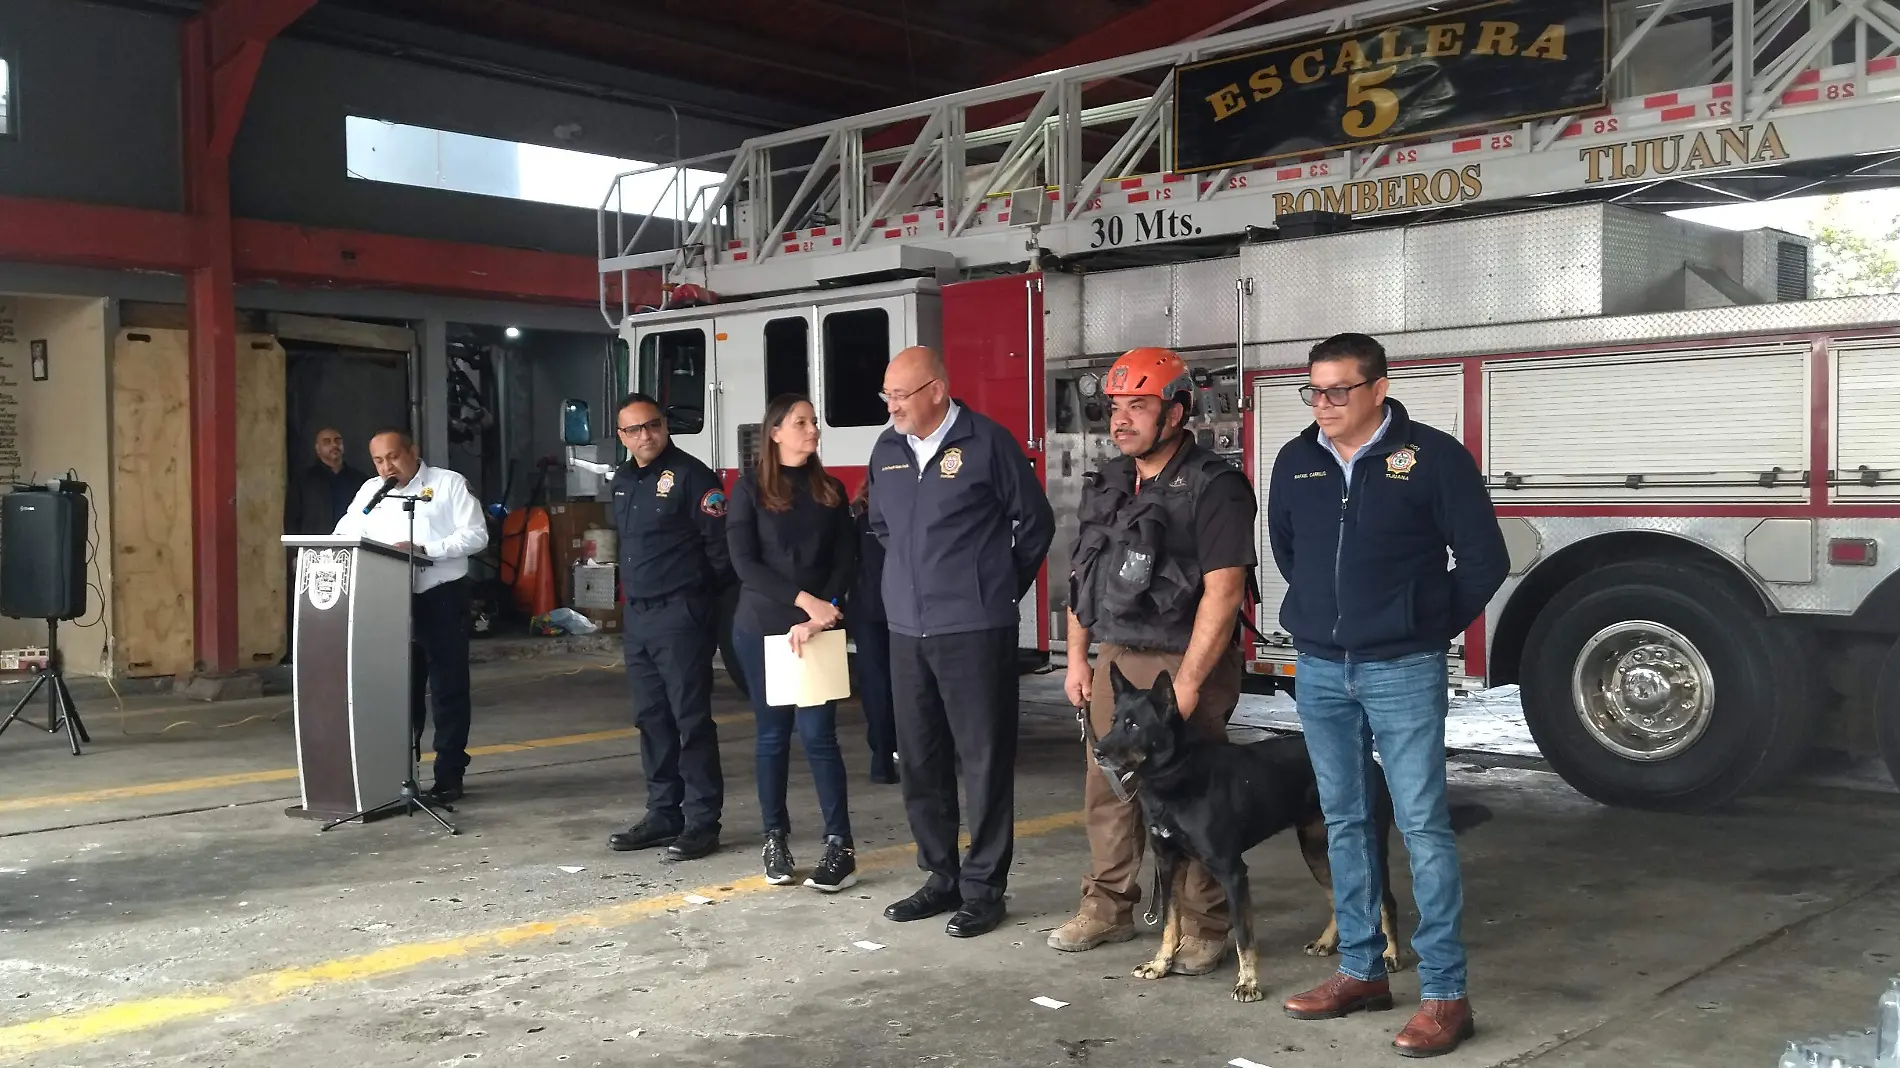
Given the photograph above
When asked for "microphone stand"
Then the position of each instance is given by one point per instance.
(409, 797)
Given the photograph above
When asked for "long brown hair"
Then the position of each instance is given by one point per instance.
(775, 490)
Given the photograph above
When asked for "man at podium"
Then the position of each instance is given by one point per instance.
(449, 528)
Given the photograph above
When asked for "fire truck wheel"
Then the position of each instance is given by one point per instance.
(1659, 684)
(1887, 712)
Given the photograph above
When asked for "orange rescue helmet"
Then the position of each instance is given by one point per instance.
(1151, 372)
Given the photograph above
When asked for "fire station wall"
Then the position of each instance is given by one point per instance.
(289, 160)
(97, 104)
(55, 425)
(98, 121)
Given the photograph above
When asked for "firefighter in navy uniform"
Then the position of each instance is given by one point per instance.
(670, 510)
(1161, 562)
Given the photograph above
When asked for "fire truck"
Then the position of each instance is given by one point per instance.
(1696, 464)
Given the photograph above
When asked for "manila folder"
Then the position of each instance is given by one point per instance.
(822, 674)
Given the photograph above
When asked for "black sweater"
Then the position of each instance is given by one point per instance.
(808, 548)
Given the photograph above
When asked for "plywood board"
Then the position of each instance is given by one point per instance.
(151, 498)
(261, 481)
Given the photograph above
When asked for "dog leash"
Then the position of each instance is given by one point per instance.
(1117, 783)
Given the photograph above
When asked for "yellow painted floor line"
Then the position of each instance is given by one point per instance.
(127, 1017)
(245, 778)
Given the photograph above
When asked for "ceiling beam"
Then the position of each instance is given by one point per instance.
(133, 239)
(923, 23)
(583, 21)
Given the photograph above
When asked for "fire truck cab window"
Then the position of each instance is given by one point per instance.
(673, 372)
(857, 346)
(787, 357)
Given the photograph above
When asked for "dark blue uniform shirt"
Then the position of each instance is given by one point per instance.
(964, 537)
(671, 515)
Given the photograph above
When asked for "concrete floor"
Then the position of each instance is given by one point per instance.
(157, 908)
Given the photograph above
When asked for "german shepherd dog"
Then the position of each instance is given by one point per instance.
(1211, 802)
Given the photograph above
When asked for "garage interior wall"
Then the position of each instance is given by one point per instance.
(54, 426)
(77, 130)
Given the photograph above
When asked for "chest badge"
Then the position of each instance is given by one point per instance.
(952, 462)
(665, 485)
(1180, 482)
(1401, 462)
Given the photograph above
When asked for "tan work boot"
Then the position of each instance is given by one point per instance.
(1086, 932)
(1198, 956)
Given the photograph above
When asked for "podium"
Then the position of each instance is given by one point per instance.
(350, 674)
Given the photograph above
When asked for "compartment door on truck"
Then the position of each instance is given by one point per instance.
(760, 355)
(1431, 395)
(673, 364)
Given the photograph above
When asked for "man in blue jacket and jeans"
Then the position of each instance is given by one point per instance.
(1361, 510)
(965, 525)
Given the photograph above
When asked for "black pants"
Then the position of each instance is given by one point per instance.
(439, 657)
(956, 701)
(873, 662)
(669, 643)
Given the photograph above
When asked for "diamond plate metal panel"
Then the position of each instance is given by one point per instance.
(1122, 310)
(1061, 316)
(1644, 257)
(1605, 331)
(1205, 303)
(1319, 286)
(1509, 268)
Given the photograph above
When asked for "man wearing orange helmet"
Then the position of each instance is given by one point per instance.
(1160, 564)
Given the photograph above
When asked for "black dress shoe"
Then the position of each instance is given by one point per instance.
(923, 904)
(643, 835)
(693, 843)
(975, 918)
(443, 793)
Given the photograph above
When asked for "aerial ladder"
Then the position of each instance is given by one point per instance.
(1704, 101)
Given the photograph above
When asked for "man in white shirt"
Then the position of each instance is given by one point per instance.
(449, 528)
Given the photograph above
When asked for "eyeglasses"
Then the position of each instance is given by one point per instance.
(651, 426)
(901, 396)
(1335, 395)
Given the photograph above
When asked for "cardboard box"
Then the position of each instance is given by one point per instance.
(568, 524)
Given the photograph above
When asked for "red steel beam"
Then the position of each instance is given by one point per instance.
(134, 239)
(221, 49)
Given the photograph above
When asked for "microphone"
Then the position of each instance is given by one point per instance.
(389, 487)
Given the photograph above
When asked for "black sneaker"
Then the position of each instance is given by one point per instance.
(838, 870)
(444, 792)
(693, 843)
(778, 859)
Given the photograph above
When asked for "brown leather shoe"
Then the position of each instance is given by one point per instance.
(1339, 996)
(1436, 1029)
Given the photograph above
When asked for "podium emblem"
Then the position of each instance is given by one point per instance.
(326, 576)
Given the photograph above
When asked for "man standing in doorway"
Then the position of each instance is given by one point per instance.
(321, 492)
(1361, 510)
(671, 513)
(965, 526)
(449, 528)
(1189, 514)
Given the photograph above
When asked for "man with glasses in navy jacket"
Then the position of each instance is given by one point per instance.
(965, 525)
(1362, 508)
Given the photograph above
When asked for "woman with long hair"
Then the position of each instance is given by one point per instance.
(864, 619)
(795, 550)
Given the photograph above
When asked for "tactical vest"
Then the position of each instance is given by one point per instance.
(1136, 575)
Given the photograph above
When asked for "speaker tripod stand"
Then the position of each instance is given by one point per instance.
(409, 798)
(61, 713)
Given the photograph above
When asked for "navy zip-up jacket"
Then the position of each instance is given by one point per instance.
(1365, 565)
(964, 541)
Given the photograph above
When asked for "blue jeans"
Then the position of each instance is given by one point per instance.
(817, 732)
(1400, 706)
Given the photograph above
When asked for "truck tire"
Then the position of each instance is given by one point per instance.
(1660, 685)
(1887, 712)
(728, 657)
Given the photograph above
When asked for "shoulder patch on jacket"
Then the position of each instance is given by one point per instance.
(713, 503)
